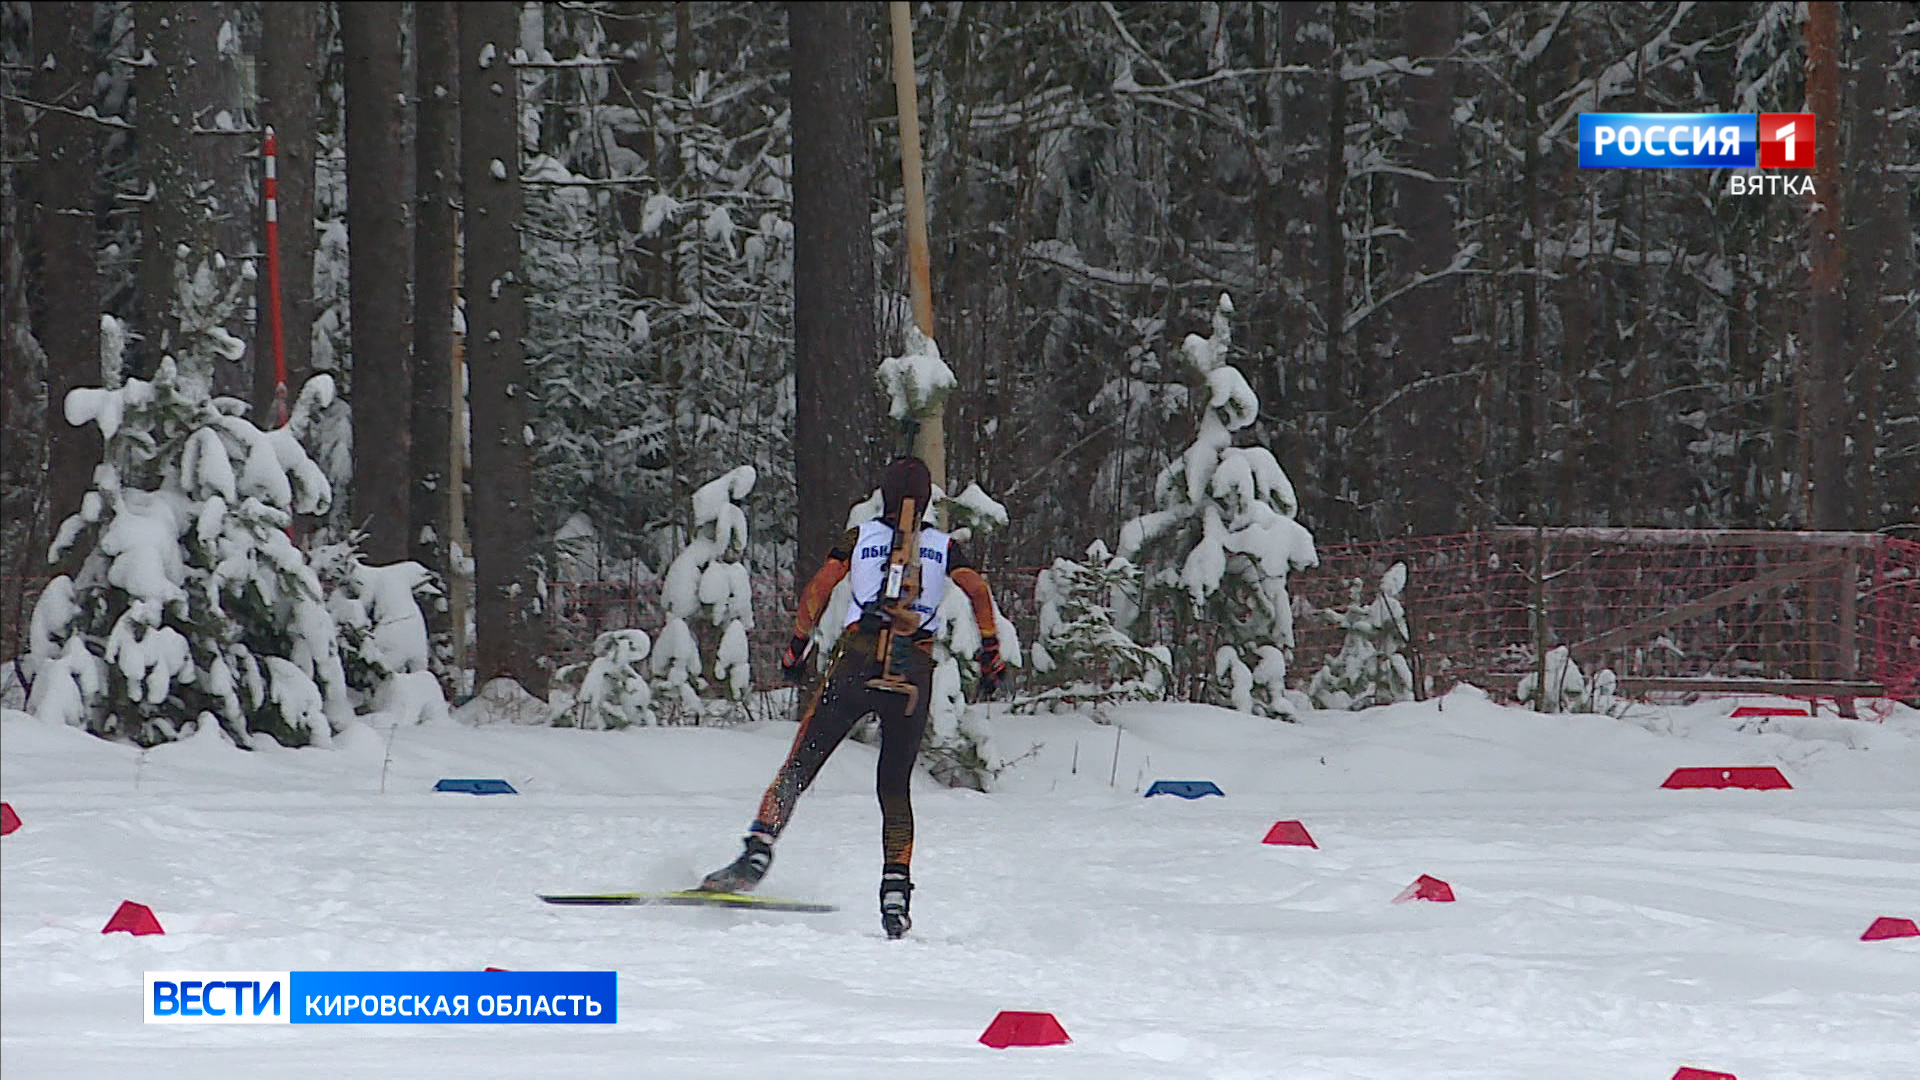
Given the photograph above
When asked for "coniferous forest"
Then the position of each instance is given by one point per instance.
(566, 265)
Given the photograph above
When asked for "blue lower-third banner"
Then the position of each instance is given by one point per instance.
(382, 997)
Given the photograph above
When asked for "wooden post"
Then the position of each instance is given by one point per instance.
(930, 445)
(1848, 586)
(458, 549)
(1537, 615)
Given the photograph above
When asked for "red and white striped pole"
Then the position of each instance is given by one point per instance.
(273, 283)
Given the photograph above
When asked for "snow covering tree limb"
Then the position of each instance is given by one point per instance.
(917, 381)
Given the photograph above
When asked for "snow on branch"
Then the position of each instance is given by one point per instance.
(80, 114)
(1066, 256)
(1623, 75)
(917, 380)
(1461, 259)
(1126, 84)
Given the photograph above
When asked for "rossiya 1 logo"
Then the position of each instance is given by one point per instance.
(1706, 141)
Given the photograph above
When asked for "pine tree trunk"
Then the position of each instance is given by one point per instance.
(1426, 479)
(197, 212)
(228, 172)
(838, 424)
(1301, 129)
(289, 103)
(631, 37)
(508, 620)
(67, 299)
(379, 251)
(1334, 400)
(1883, 342)
(22, 380)
(1532, 377)
(1828, 506)
(437, 172)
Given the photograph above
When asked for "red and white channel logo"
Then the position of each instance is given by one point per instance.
(1786, 140)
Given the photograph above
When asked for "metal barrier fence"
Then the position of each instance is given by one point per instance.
(1818, 614)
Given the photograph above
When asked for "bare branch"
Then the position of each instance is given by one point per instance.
(87, 113)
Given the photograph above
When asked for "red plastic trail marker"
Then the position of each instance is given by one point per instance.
(133, 918)
(1887, 927)
(1024, 1029)
(9, 820)
(1769, 710)
(1758, 778)
(1688, 1072)
(1289, 832)
(1426, 887)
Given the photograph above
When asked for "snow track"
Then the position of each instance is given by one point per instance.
(1604, 928)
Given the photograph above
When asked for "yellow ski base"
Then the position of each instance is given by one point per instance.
(688, 898)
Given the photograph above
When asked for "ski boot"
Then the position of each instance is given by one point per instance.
(896, 892)
(745, 872)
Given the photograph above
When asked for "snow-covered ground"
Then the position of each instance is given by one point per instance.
(1605, 928)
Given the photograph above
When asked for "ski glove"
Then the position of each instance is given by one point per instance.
(993, 670)
(793, 663)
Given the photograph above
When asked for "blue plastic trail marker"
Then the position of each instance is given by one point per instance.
(1186, 789)
(476, 787)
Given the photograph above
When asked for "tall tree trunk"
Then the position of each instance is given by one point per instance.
(1826, 363)
(437, 169)
(379, 251)
(837, 422)
(198, 212)
(289, 103)
(1883, 344)
(508, 619)
(632, 39)
(67, 300)
(1427, 472)
(23, 550)
(1302, 130)
(1334, 401)
(1532, 378)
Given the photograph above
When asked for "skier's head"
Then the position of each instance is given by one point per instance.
(905, 478)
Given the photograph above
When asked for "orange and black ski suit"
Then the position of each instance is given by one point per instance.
(843, 698)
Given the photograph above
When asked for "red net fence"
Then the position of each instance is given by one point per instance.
(1814, 614)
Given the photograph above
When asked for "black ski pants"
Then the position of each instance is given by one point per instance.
(842, 700)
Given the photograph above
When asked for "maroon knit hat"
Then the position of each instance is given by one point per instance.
(906, 478)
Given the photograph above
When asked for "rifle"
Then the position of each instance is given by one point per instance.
(897, 594)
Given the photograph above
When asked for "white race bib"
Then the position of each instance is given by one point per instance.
(867, 571)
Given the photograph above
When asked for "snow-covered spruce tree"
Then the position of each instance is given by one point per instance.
(1369, 668)
(611, 690)
(1568, 689)
(1079, 656)
(708, 580)
(192, 606)
(958, 750)
(384, 646)
(1223, 540)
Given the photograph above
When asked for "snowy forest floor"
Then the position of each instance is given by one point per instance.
(1605, 928)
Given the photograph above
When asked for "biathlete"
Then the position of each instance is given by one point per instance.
(859, 682)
